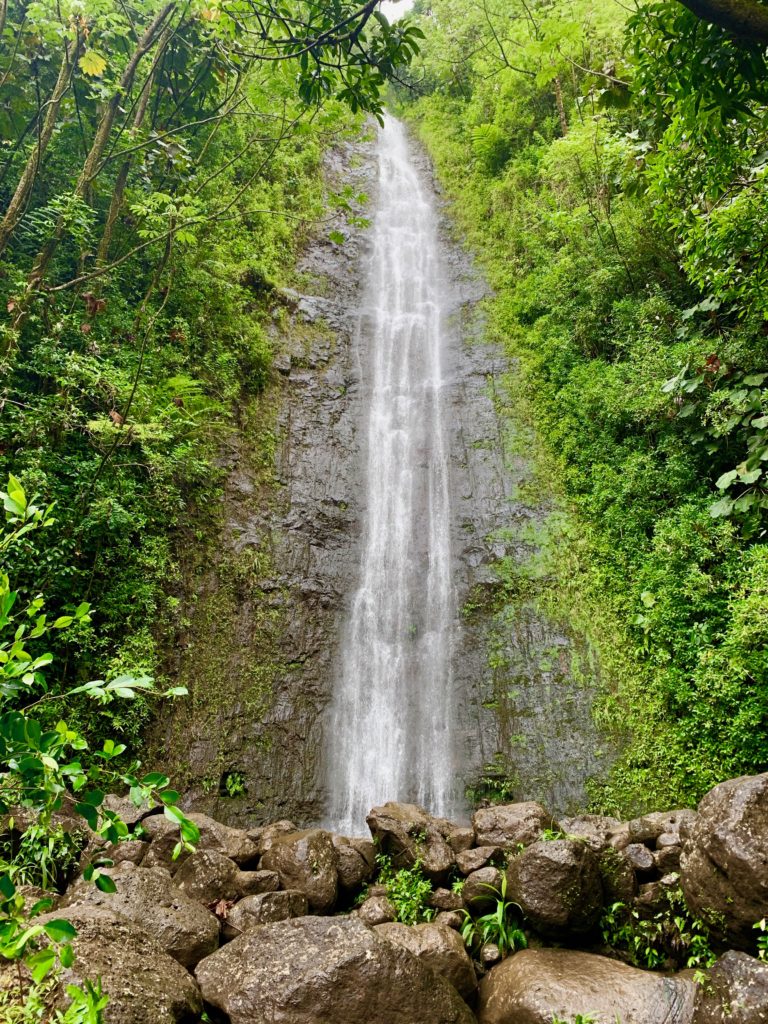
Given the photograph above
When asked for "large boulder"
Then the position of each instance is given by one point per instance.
(536, 985)
(735, 992)
(317, 970)
(148, 897)
(143, 983)
(511, 825)
(557, 885)
(438, 947)
(407, 834)
(306, 861)
(724, 861)
(164, 835)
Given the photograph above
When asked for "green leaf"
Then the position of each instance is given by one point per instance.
(726, 479)
(67, 955)
(60, 930)
(104, 882)
(40, 964)
(7, 888)
(337, 237)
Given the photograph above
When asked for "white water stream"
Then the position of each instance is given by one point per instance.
(392, 734)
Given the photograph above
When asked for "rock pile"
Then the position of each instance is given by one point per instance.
(284, 924)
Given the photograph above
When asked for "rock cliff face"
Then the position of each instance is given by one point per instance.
(265, 600)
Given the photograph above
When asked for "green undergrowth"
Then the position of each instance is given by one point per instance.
(635, 385)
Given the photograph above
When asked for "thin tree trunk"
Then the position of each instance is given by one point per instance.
(560, 105)
(122, 175)
(92, 163)
(18, 203)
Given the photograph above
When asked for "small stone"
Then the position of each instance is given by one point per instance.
(490, 954)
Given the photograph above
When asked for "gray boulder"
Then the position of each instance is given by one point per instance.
(557, 885)
(649, 827)
(407, 833)
(735, 992)
(325, 971)
(724, 860)
(143, 983)
(510, 825)
(439, 948)
(306, 861)
(535, 985)
(148, 898)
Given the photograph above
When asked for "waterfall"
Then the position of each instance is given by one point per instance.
(391, 734)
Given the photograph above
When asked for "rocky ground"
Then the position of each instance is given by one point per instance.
(279, 924)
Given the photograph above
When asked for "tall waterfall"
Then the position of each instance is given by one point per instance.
(391, 733)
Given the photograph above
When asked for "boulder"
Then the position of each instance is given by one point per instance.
(264, 909)
(208, 876)
(306, 861)
(557, 885)
(724, 860)
(317, 970)
(460, 838)
(480, 857)
(269, 833)
(451, 919)
(735, 992)
(376, 910)
(482, 890)
(593, 829)
(639, 856)
(164, 835)
(143, 983)
(617, 875)
(535, 985)
(649, 827)
(445, 899)
(148, 898)
(510, 825)
(667, 860)
(407, 834)
(353, 869)
(440, 948)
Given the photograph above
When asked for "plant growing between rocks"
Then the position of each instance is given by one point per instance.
(501, 927)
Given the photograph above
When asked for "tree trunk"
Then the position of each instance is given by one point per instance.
(122, 175)
(18, 203)
(101, 138)
(560, 105)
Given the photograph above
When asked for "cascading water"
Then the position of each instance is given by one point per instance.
(392, 730)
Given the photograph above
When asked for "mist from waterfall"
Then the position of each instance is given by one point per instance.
(391, 734)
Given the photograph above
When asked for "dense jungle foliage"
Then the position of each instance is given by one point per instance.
(609, 167)
(159, 169)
